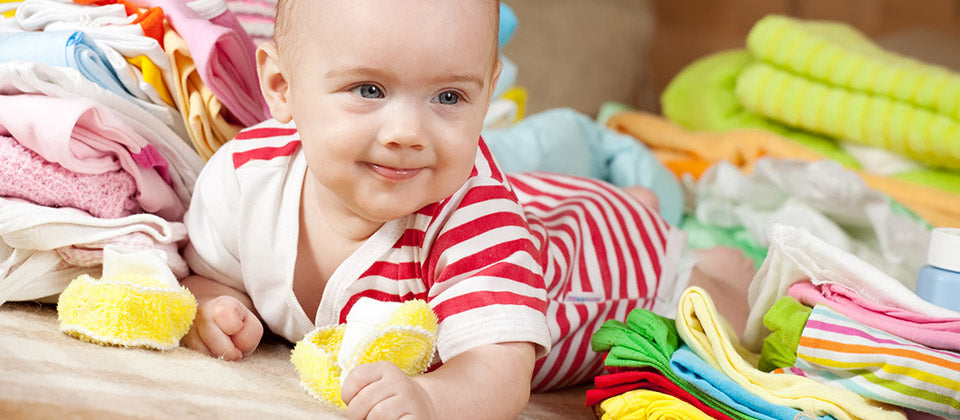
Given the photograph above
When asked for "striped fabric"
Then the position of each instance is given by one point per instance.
(839, 351)
(828, 78)
(255, 16)
(603, 256)
(493, 260)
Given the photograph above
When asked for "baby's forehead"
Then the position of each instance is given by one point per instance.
(293, 16)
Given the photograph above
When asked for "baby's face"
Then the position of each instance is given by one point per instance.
(389, 97)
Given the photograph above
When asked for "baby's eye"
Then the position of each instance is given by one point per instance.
(447, 98)
(368, 91)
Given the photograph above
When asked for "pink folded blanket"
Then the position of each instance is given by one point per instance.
(26, 175)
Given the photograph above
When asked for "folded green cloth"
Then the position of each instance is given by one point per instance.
(702, 97)
(786, 320)
(839, 55)
(827, 78)
(648, 340)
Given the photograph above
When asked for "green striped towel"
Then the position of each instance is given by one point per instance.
(827, 78)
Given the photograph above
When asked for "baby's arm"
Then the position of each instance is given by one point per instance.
(487, 382)
(226, 325)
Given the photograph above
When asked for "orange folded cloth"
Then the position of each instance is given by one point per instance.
(150, 20)
(686, 152)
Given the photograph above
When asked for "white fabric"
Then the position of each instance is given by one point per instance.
(147, 262)
(113, 32)
(363, 321)
(208, 9)
(31, 77)
(823, 197)
(30, 234)
(797, 255)
(879, 161)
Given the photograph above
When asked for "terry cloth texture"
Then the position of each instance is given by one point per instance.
(26, 175)
(827, 77)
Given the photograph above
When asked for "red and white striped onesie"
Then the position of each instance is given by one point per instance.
(536, 257)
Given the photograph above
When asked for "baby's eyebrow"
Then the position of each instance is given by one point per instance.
(349, 71)
(462, 78)
(474, 79)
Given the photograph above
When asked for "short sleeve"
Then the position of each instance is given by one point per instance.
(213, 247)
(487, 282)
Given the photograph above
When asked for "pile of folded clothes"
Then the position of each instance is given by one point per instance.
(108, 109)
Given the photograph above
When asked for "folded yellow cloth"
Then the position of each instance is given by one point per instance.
(711, 338)
(683, 151)
(641, 404)
(207, 120)
(827, 78)
(153, 75)
(840, 55)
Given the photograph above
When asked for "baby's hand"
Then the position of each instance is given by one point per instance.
(225, 328)
(381, 390)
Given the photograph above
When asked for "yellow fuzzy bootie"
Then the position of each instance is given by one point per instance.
(138, 302)
(401, 333)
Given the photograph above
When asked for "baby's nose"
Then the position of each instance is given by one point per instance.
(403, 127)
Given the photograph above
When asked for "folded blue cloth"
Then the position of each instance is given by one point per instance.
(63, 49)
(508, 25)
(687, 365)
(566, 141)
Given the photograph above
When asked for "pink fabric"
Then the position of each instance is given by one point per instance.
(224, 56)
(86, 138)
(24, 174)
(940, 333)
(91, 254)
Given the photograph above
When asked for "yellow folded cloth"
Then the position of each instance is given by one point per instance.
(208, 122)
(153, 75)
(683, 151)
(401, 333)
(136, 303)
(641, 404)
(711, 338)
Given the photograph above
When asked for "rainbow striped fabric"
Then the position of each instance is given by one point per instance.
(839, 351)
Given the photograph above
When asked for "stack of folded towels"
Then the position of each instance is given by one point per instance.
(827, 86)
(829, 336)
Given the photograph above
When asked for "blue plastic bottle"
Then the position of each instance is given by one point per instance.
(939, 281)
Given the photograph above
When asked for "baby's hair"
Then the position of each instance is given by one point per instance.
(288, 18)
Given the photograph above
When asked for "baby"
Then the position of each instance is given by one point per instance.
(371, 180)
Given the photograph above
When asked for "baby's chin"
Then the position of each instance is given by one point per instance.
(388, 210)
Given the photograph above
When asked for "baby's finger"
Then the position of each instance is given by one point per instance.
(228, 317)
(192, 341)
(217, 341)
(249, 336)
(366, 387)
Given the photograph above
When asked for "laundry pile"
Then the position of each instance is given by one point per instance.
(108, 110)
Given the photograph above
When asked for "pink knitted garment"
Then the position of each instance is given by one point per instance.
(26, 175)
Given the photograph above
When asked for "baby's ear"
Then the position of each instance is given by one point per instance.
(273, 82)
(497, 68)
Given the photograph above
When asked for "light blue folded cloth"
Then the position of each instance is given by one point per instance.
(63, 49)
(566, 141)
(687, 365)
(508, 25)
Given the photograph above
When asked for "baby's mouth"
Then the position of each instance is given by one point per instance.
(396, 174)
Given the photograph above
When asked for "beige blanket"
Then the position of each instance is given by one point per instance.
(47, 375)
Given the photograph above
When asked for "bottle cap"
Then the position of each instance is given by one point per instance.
(944, 249)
